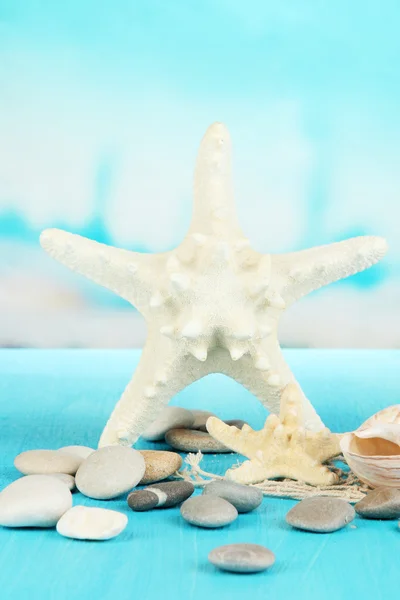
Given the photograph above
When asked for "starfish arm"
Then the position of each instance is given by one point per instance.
(214, 209)
(266, 374)
(161, 373)
(121, 271)
(299, 273)
(245, 441)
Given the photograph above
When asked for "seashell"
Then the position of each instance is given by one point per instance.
(373, 450)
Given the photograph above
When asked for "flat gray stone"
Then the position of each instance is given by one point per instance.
(171, 417)
(232, 422)
(34, 501)
(44, 462)
(242, 558)
(243, 497)
(320, 514)
(142, 500)
(172, 493)
(69, 480)
(90, 523)
(208, 511)
(380, 503)
(189, 440)
(200, 419)
(110, 472)
(82, 451)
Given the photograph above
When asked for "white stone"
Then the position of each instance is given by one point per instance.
(34, 501)
(44, 462)
(69, 480)
(89, 523)
(226, 287)
(171, 417)
(81, 451)
(110, 472)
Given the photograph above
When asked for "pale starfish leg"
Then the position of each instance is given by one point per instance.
(160, 374)
(299, 273)
(121, 271)
(214, 211)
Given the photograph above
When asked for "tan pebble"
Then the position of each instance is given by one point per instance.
(160, 464)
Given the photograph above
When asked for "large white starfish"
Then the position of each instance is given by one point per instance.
(212, 304)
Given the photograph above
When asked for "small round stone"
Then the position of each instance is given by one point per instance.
(44, 462)
(141, 500)
(242, 558)
(82, 451)
(172, 493)
(208, 511)
(89, 523)
(380, 503)
(159, 465)
(110, 472)
(188, 440)
(231, 422)
(69, 480)
(320, 514)
(200, 419)
(243, 497)
(171, 417)
(34, 501)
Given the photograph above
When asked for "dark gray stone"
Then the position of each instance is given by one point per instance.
(380, 503)
(242, 558)
(189, 440)
(243, 497)
(208, 511)
(142, 500)
(175, 491)
(320, 514)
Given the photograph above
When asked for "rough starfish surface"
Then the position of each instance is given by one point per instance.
(283, 448)
(211, 305)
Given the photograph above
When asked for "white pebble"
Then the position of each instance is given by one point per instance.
(34, 501)
(88, 523)
(44, 462)
(81, 451)
(69, 480)
(110, 472)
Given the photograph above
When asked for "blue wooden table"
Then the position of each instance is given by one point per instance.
(55, 398)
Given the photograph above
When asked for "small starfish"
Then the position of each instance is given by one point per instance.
(212, 304)
(283, 448)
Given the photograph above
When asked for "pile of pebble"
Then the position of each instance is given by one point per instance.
(42, 498)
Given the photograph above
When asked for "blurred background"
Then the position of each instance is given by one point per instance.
(103, 105)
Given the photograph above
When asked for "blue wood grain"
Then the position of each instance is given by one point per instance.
(53, 398)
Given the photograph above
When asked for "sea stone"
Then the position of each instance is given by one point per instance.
(188, 440)
(82, 451)
(208, 511)
(232, 422)
(200, 419)
(34, 501)
(141, 500)
(89, 523)
(171, 417)
(243, 497)
(110, 472)
(320, 514)
(159, 465)
(381, 503)
(242, 558)
(172, 493)
(44, 462)
(69, 480)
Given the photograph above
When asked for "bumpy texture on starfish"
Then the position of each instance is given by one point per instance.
(283, 448)
(212, 304)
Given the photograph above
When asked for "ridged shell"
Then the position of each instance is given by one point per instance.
(373, 451)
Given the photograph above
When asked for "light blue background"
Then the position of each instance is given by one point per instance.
(102, 108)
